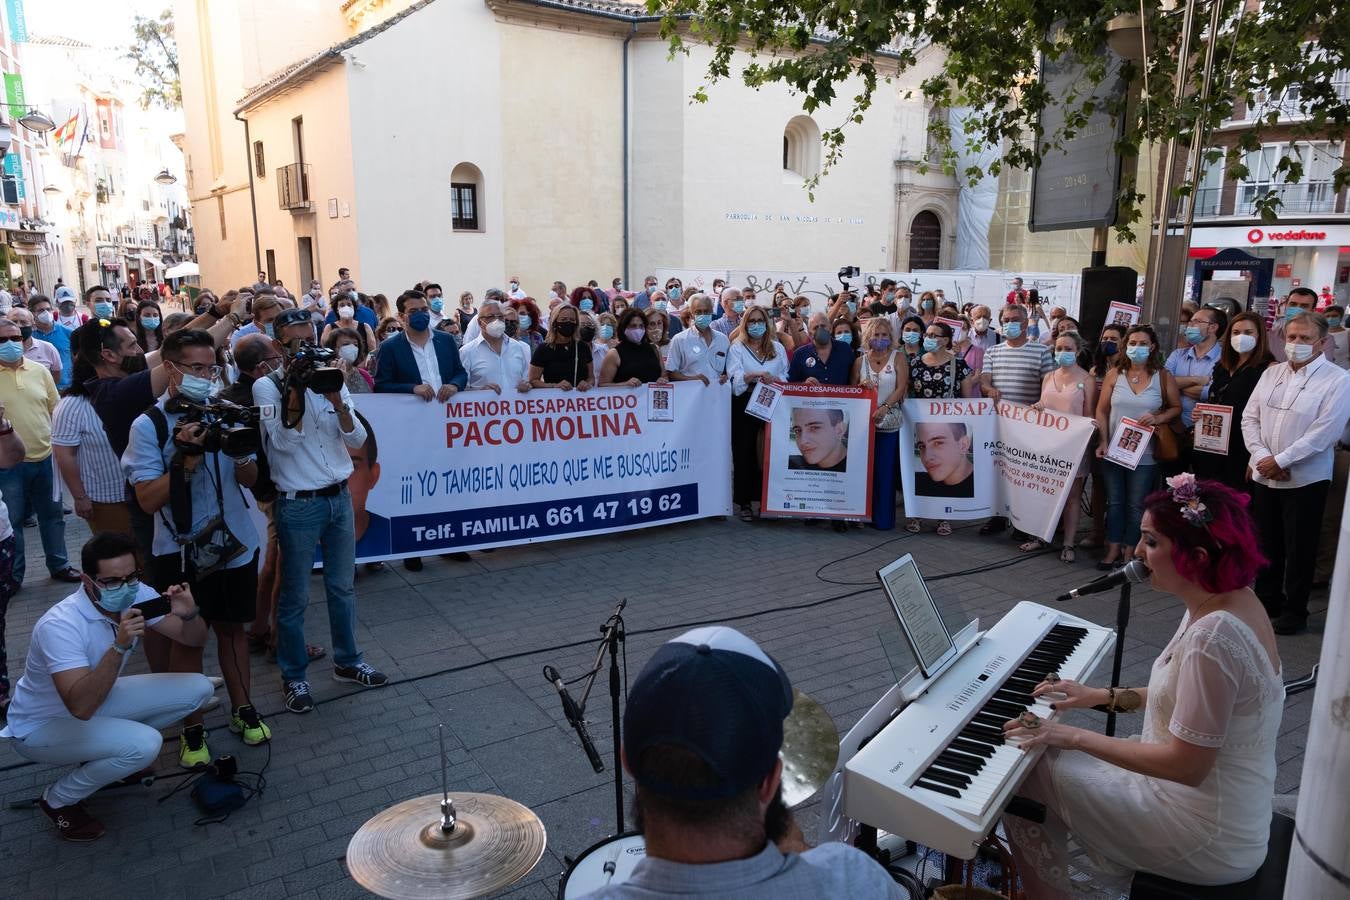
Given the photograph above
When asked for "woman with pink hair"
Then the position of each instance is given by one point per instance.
(1190, 797)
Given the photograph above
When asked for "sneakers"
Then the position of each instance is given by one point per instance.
(245, 721)
(73, 822)
(362, 674)
(192, 750)
(298, 699)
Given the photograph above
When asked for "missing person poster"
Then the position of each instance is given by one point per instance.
(1122, 314)
(969, 459)
(1129, 442)
(818, 453)
(483, 470)
(1213, 426)
(946, 470)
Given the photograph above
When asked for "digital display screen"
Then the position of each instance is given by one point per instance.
(918, 614)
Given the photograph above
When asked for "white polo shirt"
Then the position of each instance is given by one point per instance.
(73, 634)
(690, 355)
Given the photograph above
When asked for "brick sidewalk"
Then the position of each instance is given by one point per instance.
(496, 621)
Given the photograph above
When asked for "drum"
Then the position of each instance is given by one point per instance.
(606, 862)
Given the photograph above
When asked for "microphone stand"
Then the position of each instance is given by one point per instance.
(1122, 620)
(611, 636)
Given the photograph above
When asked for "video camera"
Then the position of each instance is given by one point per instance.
(312, 369)
(230, 428)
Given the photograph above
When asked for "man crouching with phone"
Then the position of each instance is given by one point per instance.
(73, 706)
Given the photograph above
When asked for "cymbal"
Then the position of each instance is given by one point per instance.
(402, 853)
(810, 749)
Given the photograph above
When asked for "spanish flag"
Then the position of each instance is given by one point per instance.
(66, 133)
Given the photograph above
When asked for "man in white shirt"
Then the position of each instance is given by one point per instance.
(1291, 425)
(494, 360)
(73, 706)
(38, 351)
(306, 437)
(1300, 300)
(513, 289)
(699, 353)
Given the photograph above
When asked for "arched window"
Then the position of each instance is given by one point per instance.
(801, 148)
(466, 192)
(925, 241)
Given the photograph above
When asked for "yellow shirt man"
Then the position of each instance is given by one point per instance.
(29, 396)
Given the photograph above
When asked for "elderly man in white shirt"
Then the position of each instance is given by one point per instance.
(492, 359)
(1291, 425)
(699, 353)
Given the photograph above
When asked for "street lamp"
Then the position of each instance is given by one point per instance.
(165, 177)
(37, 121)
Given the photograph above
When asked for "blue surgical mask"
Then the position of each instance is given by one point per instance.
(437, 304)
(756, 329)
(118, 599)
(353, 296)
(880, 344)
(11, 351)
(1066, 358)
(738, 307)
(674, 293)
(420, 320)
(1333, 321)
(1109, 348)
(195, 388)
(852, 307)
(930, 344)
(150, 323)
(702, 320)
(525, 323)
(911, 337)
(270, 331)
(587, 305)
(1012, 330)
(1138, 354)
(846, 337)
(928, 304)
(1192, 334)
(1290, 312)
(606, 332)
(660, 304)
(104, 310)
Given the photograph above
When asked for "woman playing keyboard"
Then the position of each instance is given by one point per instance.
(1190, 797)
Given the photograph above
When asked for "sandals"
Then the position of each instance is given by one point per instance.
(944, 528)
(1067, 555)
(913, 526)
(745, 514)
(1032, 545)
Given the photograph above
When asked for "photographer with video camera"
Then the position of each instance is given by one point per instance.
(188, 458)
(308, 423)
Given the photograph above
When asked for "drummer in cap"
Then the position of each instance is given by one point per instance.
(702, 732)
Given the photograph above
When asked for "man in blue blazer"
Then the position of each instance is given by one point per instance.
(419, 361)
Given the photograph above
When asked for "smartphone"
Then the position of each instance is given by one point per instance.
(154, 608)
(774, 312)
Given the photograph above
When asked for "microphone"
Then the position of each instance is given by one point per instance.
(1133, 572)
(573, 713)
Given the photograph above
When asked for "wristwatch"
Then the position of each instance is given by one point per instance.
(122, 651)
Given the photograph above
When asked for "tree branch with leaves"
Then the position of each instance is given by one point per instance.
(155, 53)
(1284, 55)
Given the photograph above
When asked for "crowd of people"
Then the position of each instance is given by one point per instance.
(110, 394)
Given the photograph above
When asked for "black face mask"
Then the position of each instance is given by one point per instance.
(878, 309)
(567, 329)
(133, 364)
(588, 333)
(25, 331)
(512, 327)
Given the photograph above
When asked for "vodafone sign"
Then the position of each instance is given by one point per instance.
(1274, 236)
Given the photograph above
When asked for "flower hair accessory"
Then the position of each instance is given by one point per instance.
(1186, 493)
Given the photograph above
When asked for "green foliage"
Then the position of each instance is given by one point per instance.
(993, 53)
(155, 53)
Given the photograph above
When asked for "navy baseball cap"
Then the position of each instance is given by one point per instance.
(714, 692)
(291, 317)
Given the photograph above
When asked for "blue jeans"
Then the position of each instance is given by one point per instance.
(302, 524)
(885, 477)
(1125, 493)
(29, 484)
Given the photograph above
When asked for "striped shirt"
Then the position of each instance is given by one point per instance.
(1017, 371)
(76, 424)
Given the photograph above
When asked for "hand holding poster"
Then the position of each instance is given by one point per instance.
(1128, 444)
(1213, 426)
(1122, 314)
(763, 399)
(818, 453)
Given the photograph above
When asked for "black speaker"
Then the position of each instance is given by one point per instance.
(1100, 286)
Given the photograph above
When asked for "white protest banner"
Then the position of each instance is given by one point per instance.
(1038, 455)
(946, 467)
(483, 470)
(818, 453)
(968, 459)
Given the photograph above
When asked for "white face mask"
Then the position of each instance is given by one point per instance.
(348, 352)
(1243, 343)
(981, 325)
(346, 312)
(44, 318)
(1298, 352)
(495, 329)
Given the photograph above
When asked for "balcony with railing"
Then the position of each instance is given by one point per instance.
(1295, 199)
(293, 188)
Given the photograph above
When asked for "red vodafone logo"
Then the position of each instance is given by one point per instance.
(1255, 236)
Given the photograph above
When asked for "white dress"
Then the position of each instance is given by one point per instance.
(1213, 686)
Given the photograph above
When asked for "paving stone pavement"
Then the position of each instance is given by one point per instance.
(464, 644)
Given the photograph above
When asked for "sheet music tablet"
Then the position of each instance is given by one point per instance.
(919, 618)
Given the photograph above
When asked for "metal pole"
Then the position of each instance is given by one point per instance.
(1117, 661)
